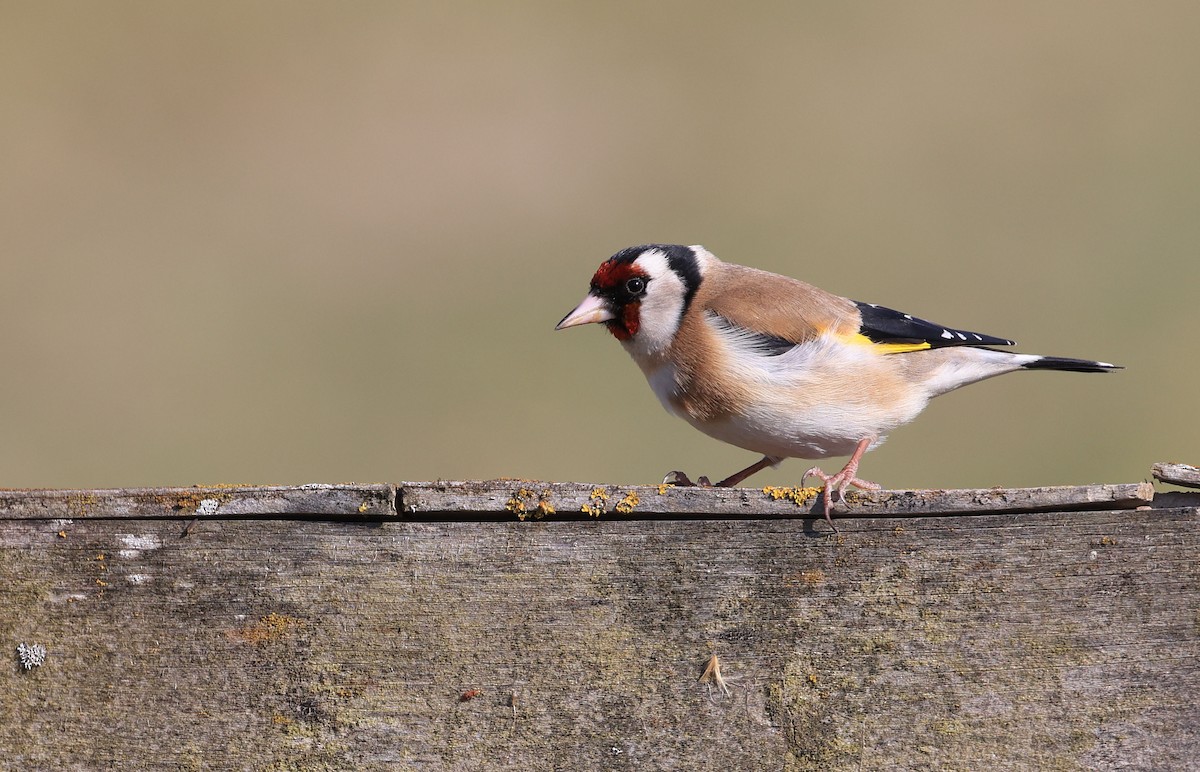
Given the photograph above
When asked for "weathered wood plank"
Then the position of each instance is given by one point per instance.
(505, 499)
(1049, 641)
(201, 501)
(1178, 474)
(532, 499)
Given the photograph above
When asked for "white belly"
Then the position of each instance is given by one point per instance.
(791, 415)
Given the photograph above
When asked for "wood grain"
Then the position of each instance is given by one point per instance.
(1033, 641)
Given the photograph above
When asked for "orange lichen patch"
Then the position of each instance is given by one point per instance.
(525, 503)
(188, 501)
(62, 534)
(626, 505)
(195, 498)
(272, 627)
(597, 503)
(798, 496)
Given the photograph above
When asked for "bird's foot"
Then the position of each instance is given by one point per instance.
(681, 480)
(837, 484)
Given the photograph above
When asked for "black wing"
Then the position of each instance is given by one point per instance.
(883, 325)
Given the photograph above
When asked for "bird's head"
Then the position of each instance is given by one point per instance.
(641, 294)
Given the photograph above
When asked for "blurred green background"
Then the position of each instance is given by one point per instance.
(284, 242)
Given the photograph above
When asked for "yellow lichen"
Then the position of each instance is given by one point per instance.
(597, 503)
(798, 496)
(525, 503)
(363, 507)
(663, 488)
(626, 505)
(188, 501)
(516, 503)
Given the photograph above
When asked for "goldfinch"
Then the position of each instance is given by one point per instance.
(779, 367)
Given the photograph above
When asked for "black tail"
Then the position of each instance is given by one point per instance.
(1072, 365)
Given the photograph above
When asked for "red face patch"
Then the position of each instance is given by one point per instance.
(609, 281)
(611, 275)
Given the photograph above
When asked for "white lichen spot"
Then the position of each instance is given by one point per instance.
(208, 507)
(139, 578)
(31, 656)
(140, 543)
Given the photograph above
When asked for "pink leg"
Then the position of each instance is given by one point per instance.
(843, 479)
(683, 481)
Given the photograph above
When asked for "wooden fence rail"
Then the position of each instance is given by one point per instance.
(523, 625)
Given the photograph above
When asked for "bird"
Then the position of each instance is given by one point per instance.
(779, 367)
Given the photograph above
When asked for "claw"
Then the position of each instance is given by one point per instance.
(839, 483)
(681, 480)
(678, 479)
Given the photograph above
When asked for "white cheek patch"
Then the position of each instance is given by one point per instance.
(660, 308)
(704, 258)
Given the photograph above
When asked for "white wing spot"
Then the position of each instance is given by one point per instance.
(977, 336)
(947, 335)
(908, 317)
(961, 336)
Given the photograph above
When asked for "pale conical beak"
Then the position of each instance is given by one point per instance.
(593, 309)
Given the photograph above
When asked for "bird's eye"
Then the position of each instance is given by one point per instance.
(635, 286)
